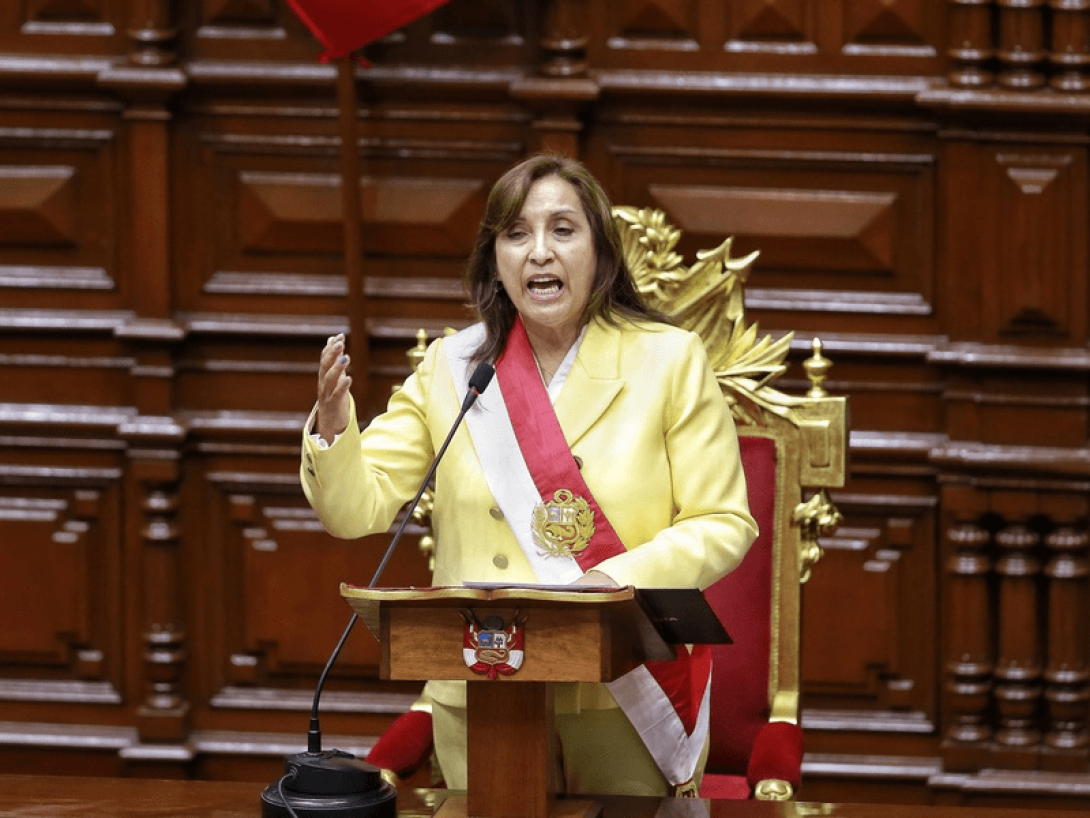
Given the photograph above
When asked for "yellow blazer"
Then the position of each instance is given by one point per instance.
(642, 412)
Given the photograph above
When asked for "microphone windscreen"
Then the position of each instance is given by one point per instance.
(481, 377)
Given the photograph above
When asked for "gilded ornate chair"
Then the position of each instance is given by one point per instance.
(793, 448)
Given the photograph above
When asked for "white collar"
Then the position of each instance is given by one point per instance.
(554, 386)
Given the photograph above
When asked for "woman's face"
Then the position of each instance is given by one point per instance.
(546, 259)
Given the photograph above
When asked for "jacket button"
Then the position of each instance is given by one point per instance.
(496, 513)
(311, 472)
(500, 561)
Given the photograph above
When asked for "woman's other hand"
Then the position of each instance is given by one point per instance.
(597, 579)
(333, 385)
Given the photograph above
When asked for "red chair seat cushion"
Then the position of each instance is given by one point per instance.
(724, 787)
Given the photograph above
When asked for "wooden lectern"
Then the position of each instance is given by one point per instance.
(564, 635)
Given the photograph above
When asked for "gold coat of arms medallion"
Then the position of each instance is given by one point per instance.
(562, 526)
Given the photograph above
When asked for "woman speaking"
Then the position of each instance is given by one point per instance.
(602, 416)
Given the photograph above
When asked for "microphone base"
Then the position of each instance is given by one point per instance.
(330, 784)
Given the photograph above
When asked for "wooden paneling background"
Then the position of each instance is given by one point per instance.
(173, 255)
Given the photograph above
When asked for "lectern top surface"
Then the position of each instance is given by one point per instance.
(488, 591)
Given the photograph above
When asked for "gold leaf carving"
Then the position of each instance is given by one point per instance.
(708, 299)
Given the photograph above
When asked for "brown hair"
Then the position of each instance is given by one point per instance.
(613, 293)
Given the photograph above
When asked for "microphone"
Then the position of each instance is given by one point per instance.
(478, 382)
(335, 784)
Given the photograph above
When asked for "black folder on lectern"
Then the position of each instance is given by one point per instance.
(682, 616)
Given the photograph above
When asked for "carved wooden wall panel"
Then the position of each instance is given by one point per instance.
(269, 612)
(768, 35)
(269, 580)
(878, 670)
(1038, 189)
(840, 218)
(61, 529)
(491, 34)
(45, 27)
(57, 225)
(172, 257)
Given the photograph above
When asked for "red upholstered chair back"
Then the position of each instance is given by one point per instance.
(743, 601)
(756, 742)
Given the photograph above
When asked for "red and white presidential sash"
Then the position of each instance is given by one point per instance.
(537, 484)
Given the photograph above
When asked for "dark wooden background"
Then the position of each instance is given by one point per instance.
(172, 258)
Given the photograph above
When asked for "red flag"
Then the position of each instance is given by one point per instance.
(342, 26)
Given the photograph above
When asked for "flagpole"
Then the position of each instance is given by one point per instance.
(353, 223)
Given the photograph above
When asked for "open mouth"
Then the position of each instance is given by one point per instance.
(544, 286)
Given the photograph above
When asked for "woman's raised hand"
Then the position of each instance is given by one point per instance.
(333, 384)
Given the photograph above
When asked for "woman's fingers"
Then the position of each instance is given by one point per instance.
(333, 385)
(331, 353)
